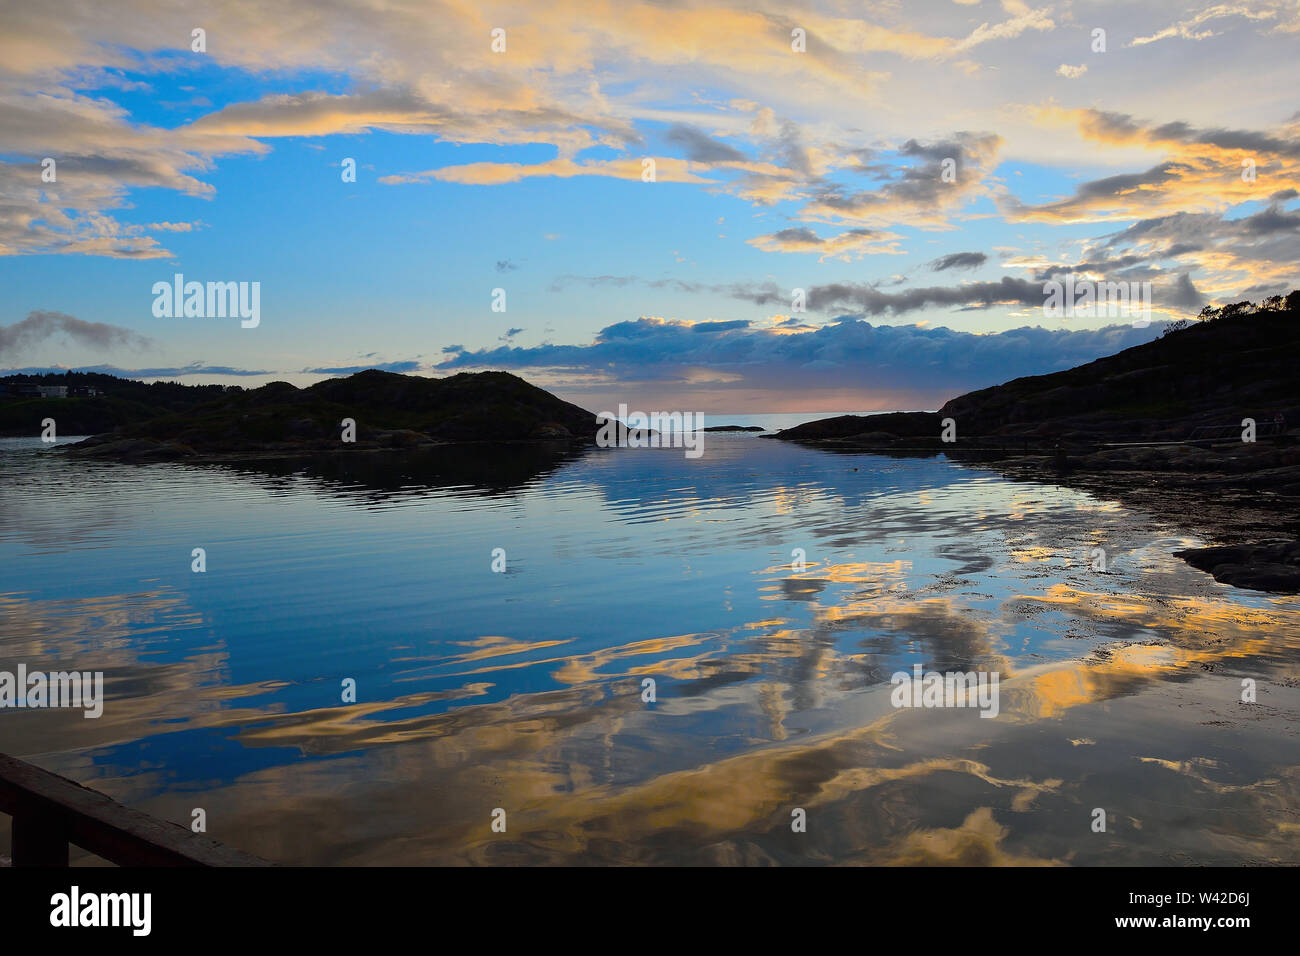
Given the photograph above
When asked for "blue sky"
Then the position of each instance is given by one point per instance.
(520, 170)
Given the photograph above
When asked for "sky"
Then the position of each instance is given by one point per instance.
(618, 200)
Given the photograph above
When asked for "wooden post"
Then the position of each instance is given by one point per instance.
(50, 812)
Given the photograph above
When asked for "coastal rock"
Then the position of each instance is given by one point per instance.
(1271, 566)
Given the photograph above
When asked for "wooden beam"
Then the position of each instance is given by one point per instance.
(49, 810)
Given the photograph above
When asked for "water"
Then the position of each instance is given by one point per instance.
(770, 421)
(775, 421)
(523, 690)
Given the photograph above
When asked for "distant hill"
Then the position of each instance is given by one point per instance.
(1237, 362)
(390, 410)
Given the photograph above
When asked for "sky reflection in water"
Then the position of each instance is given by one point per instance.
(522, 690)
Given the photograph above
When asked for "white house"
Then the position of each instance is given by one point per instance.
(53, 391)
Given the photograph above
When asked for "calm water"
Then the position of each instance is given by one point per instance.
(523, 690)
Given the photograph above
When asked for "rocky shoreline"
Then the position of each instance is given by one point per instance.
(1242, 500)
(1192, 426)
(1245, 498)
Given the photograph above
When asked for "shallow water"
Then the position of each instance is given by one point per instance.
(523, 691)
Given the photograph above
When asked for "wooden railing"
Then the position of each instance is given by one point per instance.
(50, 812)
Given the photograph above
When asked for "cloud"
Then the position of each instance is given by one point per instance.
(99, 155)
(41, 325)
(867, 299)
(925, 363)
(1022, 20)
(933, 180)
(667, 169)
(1251, 256)
(959, 260)
(502, 114)
(848, 245)
(195, 368)
(1185, 295)
(402, 366)
(716, 326)
(1072, 72)
(1188, 29)
(857, 298)
(843, 296)
(1204, 169)
(864, 36)
(702, 148)
(841, 134)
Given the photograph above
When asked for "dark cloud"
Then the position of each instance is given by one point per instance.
(790, 151)
(702, 148)
(1090, 266)
(1114, 124)
(727, 326)
(1182, 227)
(1124, 126)
(935, 152)
(1268, 240)
(407, 366)
(1158, 184)
(865, 299)
(959, 260)
(1272, 219)
(1185, 295)
(920, 185)
(1122, 183)
(196, 368)
(1126, 185)
(933, 364)
(797, 234)
(1229, 139)
(42, 325)
(505, 265)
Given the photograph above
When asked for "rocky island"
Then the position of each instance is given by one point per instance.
(367, 410)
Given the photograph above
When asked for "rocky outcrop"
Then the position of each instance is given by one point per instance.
(1271, 566)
